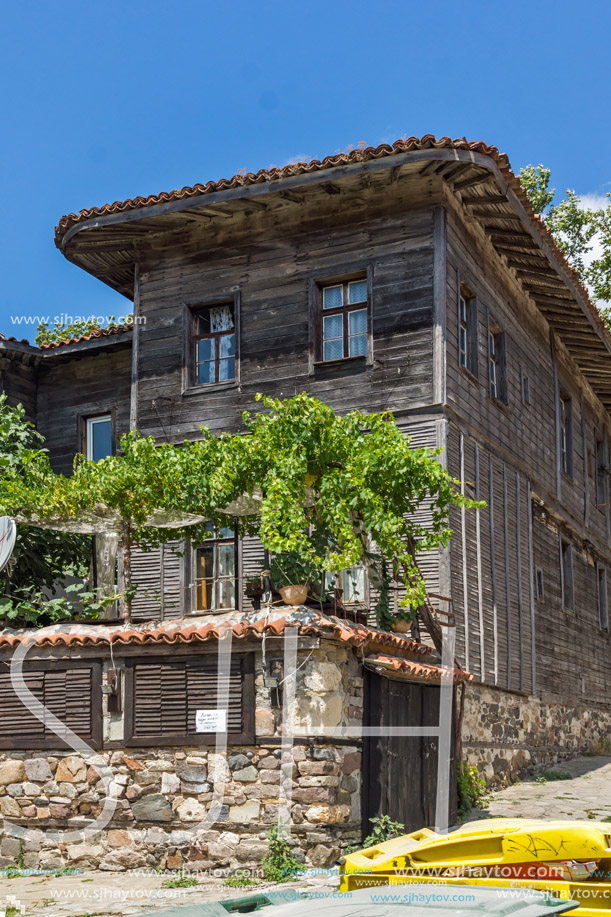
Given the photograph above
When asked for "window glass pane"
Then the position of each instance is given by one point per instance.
(204, 562)
(205, 373)
(227, 369)
(227, 345)
(226, 593)
(357, 291)
(204, 595)
(333, 350)
(358, 345)
(221, 318)
(353, 584)
(332, 327)
(99, 439)
(226, 560)
(357, 322)
(332, 297)
(206, 350)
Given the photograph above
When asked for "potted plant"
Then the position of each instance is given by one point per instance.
(291, 574)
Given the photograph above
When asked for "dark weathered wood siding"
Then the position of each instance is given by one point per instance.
(507, 636)
(80, 386)
(18, 381)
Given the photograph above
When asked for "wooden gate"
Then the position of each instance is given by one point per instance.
(400, 772)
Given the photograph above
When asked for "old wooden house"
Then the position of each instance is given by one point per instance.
(414, 278)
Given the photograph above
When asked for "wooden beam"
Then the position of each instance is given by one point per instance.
(488, 215)
(469, 182)
(293, 196)
(215, 211)
(492, 199)
(330, 188)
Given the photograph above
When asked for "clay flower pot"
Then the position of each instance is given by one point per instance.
(294, 595)
(402, 626)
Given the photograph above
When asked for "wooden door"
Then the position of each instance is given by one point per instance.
(400, 772)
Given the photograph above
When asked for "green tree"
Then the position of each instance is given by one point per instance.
(41, 557)
(577, 229)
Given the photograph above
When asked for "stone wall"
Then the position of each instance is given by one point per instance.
(164, 794)
(509, 735)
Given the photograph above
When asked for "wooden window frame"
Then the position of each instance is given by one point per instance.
(565, 432)
(497, 346)
(247, 737)
(602, 591)
(54, 742)
(566, 553)
(190, 386)
(468, 357)
(600, 471)
(216, 541)
(317, 313)
(83, 422)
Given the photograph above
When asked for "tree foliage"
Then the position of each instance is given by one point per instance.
(41, 557)
(578, 229)
(329, 491)
(65, 331)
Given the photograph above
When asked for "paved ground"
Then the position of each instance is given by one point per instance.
(586, 795)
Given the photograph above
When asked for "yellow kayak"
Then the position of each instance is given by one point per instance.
(570, 859)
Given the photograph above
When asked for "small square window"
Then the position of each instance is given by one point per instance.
(351, 581)
(345, 320)
(214, 344)
(98, 437)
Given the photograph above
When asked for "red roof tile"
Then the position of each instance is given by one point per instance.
(418, 671)
(92, 335)
(180, 632)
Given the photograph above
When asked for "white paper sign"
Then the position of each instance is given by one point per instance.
(211, 721)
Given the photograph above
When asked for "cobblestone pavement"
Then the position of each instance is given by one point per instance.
(586, 795)
(119, 893)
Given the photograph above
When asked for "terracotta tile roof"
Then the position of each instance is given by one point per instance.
(404, 145)
(12, 340)
(92, 335)
(417, 671)
(196, 632)
(276, 173)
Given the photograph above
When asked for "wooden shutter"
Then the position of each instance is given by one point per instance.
(71, 693)
(167, 695)
(157, 574)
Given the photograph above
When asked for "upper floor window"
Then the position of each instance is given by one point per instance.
(497, 369)
(214, 344)
(600, 471)
(98, 437)
(345, 320)
(467, 331)
(566, 432)
(216, 571)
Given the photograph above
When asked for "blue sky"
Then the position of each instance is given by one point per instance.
(104, 101)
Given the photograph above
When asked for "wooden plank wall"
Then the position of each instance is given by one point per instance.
(18, 381)
(273, 267)
(84, 385)
(494, 557)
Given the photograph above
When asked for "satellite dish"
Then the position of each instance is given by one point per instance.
(8, 536)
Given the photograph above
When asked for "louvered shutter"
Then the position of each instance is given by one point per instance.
(157, 574)
(71, 694)
(167, 696)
